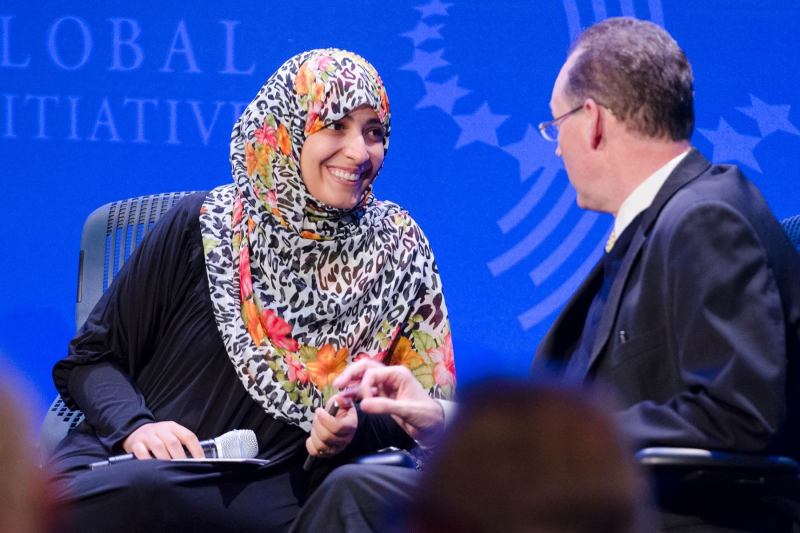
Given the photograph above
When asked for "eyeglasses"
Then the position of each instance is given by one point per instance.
(549, 129)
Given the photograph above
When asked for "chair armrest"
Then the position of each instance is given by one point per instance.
(390, 457)
(702, 459)
(693, 480)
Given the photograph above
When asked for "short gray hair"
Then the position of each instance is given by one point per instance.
(637, 70)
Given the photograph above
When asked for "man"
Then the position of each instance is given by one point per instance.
(693, 315)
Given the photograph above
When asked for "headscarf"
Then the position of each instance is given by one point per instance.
(300, 289)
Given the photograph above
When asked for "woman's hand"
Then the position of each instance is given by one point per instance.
(162, 440)
(331, 434)
(394, 390)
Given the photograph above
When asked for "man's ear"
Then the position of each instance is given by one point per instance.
(596, 122)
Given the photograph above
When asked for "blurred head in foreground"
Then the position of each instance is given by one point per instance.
(534, 459)
(25, 505)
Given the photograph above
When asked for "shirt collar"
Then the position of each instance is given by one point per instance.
(643, 195)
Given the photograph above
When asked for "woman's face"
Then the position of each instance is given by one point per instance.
(340, 161)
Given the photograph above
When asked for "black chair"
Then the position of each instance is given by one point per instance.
(743, 492)
(109, 236)
(791, 226)
(763, 489)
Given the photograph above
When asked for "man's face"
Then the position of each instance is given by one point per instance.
(574, 142)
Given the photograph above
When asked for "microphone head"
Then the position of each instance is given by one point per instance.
(237, 444)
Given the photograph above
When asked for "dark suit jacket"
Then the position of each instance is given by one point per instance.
(701, 330)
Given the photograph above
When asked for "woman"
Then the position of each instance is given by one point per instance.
(241, 317)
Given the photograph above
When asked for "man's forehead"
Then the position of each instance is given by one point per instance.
(560, 83)
(569, 62)
(557, 94)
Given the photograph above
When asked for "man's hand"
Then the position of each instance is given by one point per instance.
(394, 390)
(331, 434)
(163, 440)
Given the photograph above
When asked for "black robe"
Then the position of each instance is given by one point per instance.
(151, 351)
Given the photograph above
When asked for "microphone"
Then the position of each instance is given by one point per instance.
(235, 444)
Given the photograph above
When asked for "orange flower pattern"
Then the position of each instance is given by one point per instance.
(404, 354)
(257, 158)
(328, 364)
(284, 141)
(303, 80)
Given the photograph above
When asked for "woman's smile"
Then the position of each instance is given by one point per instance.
(348, 176)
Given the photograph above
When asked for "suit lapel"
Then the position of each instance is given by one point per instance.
(687, 170)
(553, 350)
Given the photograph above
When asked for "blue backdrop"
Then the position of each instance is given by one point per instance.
(106, 100)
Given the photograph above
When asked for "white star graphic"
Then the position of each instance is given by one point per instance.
(479, 126)
(533, 152)
(424, 62)
(434, 8)
(442, 95)
(732, 146)
(770, 118)
(423, 32)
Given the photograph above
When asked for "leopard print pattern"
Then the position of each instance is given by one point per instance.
(300, 289)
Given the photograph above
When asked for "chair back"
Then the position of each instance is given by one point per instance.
(791, 226)
(110, 234)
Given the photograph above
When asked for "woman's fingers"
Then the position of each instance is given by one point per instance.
(173, 448)
(140, 451)
(163, 440)
(310, 447)
(316, 445)
(155, 446)
(331, 434)
(317, 448)
(323, 444)
(189, 441)
(335, 428)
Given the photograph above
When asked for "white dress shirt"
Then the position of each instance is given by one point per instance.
(643, 195)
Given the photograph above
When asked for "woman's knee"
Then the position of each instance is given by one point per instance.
(148, 477)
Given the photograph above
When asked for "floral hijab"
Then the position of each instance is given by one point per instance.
(300, 289)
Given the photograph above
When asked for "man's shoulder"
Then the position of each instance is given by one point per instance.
(718, 203)
(718, 187)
